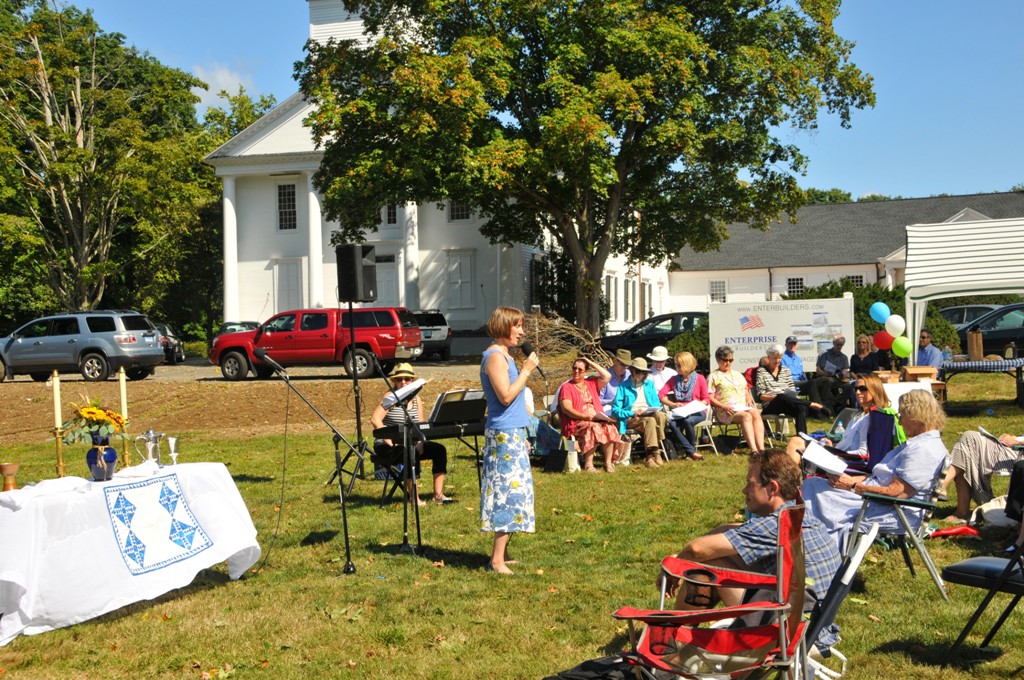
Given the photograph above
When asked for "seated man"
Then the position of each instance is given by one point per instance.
(633, 400)
(773, 481)
(774, 388)
(927, 353)
(975, 458)
(620, 373)
(832, 367)
(792, 361)
(660, 372)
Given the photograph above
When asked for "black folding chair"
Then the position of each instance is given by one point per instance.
(998, 575)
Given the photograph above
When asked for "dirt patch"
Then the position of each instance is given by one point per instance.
(193, 397)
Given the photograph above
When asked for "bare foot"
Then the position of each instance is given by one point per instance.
(500, 568)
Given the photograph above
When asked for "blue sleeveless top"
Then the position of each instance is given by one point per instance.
(499, 416)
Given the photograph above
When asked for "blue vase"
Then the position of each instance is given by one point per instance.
(101, 459)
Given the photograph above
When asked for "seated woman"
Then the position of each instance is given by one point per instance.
(854, 444)
(686, 387)
(975, 458)
(579, 400)
(908, 471)
(729, 394)
(774, 387)
(637, 408)
(389, 452)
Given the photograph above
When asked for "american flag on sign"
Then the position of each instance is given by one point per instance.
(748, 322)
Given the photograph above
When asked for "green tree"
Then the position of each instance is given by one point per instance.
(98, 135)
(818, 196)
(614, 126)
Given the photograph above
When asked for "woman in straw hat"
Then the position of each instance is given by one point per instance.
(390, 452)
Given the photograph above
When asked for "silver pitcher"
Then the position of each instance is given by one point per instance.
(151, 441)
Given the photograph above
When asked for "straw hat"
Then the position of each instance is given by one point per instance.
(624, 355)
(659, 353)
(639, 364)
(403, 370)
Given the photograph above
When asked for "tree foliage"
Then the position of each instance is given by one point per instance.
(95, 142)
(819, 196)
(614, 126)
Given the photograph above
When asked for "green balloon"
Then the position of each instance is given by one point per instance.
(901, 346)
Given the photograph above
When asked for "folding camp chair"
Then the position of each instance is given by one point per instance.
(999, 575)
(915, 534)
(673, 642)
(825, 610)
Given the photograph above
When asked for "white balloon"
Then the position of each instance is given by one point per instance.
(895, 325)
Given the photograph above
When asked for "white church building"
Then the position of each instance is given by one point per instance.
(277, 252)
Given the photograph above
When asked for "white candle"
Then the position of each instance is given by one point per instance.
(124, 393)
(57, 419)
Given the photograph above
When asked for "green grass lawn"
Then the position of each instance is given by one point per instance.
(599, 540)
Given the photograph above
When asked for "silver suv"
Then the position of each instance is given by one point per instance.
(91, 343)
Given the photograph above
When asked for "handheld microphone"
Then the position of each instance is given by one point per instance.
(528, 350)
(262, 355)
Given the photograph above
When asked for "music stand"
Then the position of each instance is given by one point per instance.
(460, 408)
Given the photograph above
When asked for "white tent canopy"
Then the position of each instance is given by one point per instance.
(950, 259)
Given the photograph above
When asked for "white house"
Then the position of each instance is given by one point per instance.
(277, 252)
(863, 241)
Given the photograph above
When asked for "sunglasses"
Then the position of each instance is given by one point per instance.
(862, 388)
(578, 370)
(401, 380)
(726, 361)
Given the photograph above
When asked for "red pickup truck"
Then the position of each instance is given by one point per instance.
(305, 337)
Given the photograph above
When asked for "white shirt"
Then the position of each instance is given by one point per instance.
(661, 377)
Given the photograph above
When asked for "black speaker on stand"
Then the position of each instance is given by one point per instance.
(357, 272)
(357, 282)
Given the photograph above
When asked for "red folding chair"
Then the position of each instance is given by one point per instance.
(675, 641)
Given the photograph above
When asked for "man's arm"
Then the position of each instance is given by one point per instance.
(711, 546)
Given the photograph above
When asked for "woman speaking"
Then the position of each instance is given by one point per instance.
(506, 484)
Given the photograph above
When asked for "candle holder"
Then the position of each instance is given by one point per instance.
(8, 470)
(58, 435)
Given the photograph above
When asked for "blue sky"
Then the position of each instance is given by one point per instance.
(948, 77)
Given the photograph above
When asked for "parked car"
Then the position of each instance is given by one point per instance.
(649, 333)
(319, 337)
(435, 332)
(92, 343)
(964, 314)
(998, 329)
(237, 326)
(174, 347)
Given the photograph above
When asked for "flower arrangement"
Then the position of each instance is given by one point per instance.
(92, 420)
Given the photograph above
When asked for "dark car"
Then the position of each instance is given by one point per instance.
(648, 334)
(998, 329)
(435, 333)
(237, 326)
(174, 347)
(965, 314)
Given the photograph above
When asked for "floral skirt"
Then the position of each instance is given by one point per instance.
(590, 434)
(506, 483)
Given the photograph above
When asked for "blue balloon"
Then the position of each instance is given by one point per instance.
(880, 312)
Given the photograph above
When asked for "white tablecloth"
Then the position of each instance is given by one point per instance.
(71, 549)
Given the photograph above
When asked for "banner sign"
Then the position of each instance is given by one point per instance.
(750, 328)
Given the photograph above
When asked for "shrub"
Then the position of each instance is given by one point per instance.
(196, 348)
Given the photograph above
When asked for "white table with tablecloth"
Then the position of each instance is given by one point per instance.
(72, 549)
(897, 389)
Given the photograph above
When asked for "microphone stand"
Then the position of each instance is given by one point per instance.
(409, 461)
(349, 568)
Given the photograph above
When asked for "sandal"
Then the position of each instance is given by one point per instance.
(591, 468)
(697, 456)
(610, 467)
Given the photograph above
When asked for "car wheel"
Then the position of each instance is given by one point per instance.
(40, 377)
(94, 367)
(363, 364)
(234, 366)
(138, 373)
(445, 354)
(179, 356)
(263, 372)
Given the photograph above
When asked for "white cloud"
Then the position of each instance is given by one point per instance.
(218, 77)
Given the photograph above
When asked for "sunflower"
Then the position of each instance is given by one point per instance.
(92, 419)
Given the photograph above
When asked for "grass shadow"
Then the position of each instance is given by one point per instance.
(251, 478)
(318, 538)
(931, 654)
(451, 558)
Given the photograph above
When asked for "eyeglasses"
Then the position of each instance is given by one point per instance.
(726, 361)
(926, 337)
(578, 370)
(398, 380)
(862, 388)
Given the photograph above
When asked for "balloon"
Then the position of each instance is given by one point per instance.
(901, 346)
(883, 340)
(895, 324)
(880, 312)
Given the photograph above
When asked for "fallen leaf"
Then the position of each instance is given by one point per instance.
(588, 518)
(540, 572)
(351, 663)
(872, 617)
(370, 653)
(656, 507)
(570, 540)
(164, 616)
(425, 577)
(856, 600)
(439, 564)
(264, 662)
(552, 589)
